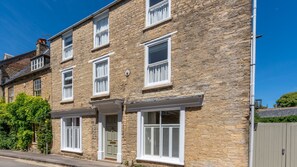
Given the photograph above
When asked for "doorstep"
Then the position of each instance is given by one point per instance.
(57, 159)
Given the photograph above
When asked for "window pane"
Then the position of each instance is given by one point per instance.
(101, 74)
(158, 72)
(102, 24)
(151, 117)
(68, 40)
(154, 2)
(102, 38)
(102, 69)
(175, 142)
(102, 34)
(76, 122)
(68, 78)
(158, 52)
(67, 52)
(156, 141)
(170, 117)
(147, 141)
(158, 11)
(67, 92)
(68, 122)
(166, 142)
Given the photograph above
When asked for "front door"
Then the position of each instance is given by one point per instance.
(111, 137)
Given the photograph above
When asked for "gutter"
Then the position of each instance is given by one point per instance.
(85, 19)
(252, 84)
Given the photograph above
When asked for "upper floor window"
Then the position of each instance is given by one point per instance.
(158, 62)
(37, 87)
(67, 46)
(101, 30)
(157, 11)
(101, 76)
(37, 63)
(67, 85)
(10, 94)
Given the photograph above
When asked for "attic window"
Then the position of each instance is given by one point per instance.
(37, 63)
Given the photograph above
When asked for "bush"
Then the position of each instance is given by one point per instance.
(17, 120)
(292, 118)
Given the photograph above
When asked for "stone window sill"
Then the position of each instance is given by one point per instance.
(100, 96)
(157, 86)
(159, 160)
(66, 101)
(66, 60)
(157, 24)
(100, 47)
(72, 151)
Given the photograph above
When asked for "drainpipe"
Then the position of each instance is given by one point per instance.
(252, 84)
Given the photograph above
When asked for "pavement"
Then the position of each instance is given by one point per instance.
(13, 162)
(56, 159)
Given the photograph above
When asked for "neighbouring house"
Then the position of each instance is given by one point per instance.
(277, 112)
(154, 82)
(28, 73)
(11, 65)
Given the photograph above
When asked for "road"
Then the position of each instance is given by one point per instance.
(12, 162)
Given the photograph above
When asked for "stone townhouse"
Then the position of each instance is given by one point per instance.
(32, 77)
(155, 82)
(27, 73)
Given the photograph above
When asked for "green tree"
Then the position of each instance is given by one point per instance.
(287, 100)
(17, 120)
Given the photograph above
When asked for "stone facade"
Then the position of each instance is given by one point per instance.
(210, 55)
(25, 85)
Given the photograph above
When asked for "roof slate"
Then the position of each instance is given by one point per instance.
(277, 112)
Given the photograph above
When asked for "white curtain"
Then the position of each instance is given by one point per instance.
(101, 81)
(159, 12)
(102, 32)
(68, 52)
(158, 73)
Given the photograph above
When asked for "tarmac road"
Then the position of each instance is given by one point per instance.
(13, 162)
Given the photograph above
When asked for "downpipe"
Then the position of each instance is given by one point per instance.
(252, 83)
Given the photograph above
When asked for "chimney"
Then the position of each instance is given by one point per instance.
(41, 46)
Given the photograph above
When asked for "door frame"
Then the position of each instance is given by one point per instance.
(101, 134)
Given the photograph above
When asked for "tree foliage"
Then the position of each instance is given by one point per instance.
(287, 100)
(17, 120)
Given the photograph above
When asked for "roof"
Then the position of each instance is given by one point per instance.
(17, 57)
(85, 19)
(25, 72)
(45, 53)
(277, 112)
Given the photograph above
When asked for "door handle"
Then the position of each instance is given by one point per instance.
(283, 151)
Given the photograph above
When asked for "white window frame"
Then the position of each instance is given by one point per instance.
(10, 95)
(68, 34)
(147, 18)
(63, 72)
(147, 46)
(140, 138)
(95, 21)
(105, 58)
(34, 87)
(63, 142)
(37, 63)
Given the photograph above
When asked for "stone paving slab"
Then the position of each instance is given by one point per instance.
(56, 159)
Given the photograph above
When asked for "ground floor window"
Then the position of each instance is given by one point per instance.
(161, 136)
(71, 134)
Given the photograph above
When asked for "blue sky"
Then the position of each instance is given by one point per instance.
(276, 50)
(22, 22)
